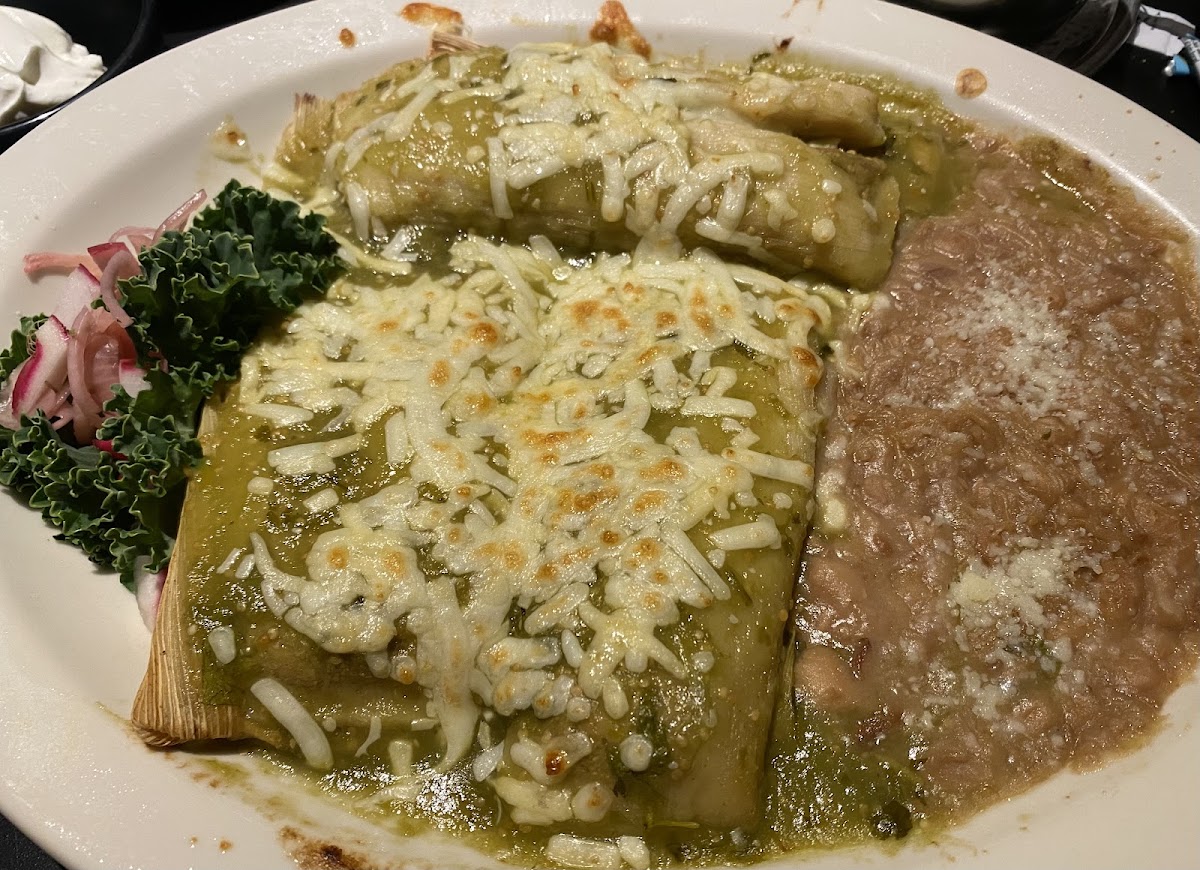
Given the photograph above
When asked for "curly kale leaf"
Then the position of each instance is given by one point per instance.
(117, 504)
(205, 293)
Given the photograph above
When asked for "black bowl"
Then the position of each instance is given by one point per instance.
(122, 32)
(1022, 22)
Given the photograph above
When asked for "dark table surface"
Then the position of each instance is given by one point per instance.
(1133, 71)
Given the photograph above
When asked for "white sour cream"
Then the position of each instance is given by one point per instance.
(40, 66)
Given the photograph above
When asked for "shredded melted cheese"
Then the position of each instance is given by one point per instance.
(1002, 607)
(539, 416)
(628, 122)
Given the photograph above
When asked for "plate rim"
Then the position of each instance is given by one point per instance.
(1108, 134)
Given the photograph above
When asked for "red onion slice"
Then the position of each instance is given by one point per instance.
(52, 404)
(70, 375)
(121, 264)
(84, 425)
(87, 409)
(76, 358)
(103, 359)
(179, 217)
(136, 237)
(100, 356)
(52, 261)
(65, 416)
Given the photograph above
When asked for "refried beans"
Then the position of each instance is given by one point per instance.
(1003, 578)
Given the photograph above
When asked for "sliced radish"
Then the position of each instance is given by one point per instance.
(104, 252)
(81, 291)
(131, 377)
(45, 370)
(106, 445)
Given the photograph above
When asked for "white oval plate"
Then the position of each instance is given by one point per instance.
(72, 648)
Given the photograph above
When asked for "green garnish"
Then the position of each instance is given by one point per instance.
(205, 293)
(203, 296)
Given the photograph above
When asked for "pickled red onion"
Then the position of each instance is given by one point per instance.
(71, 374)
